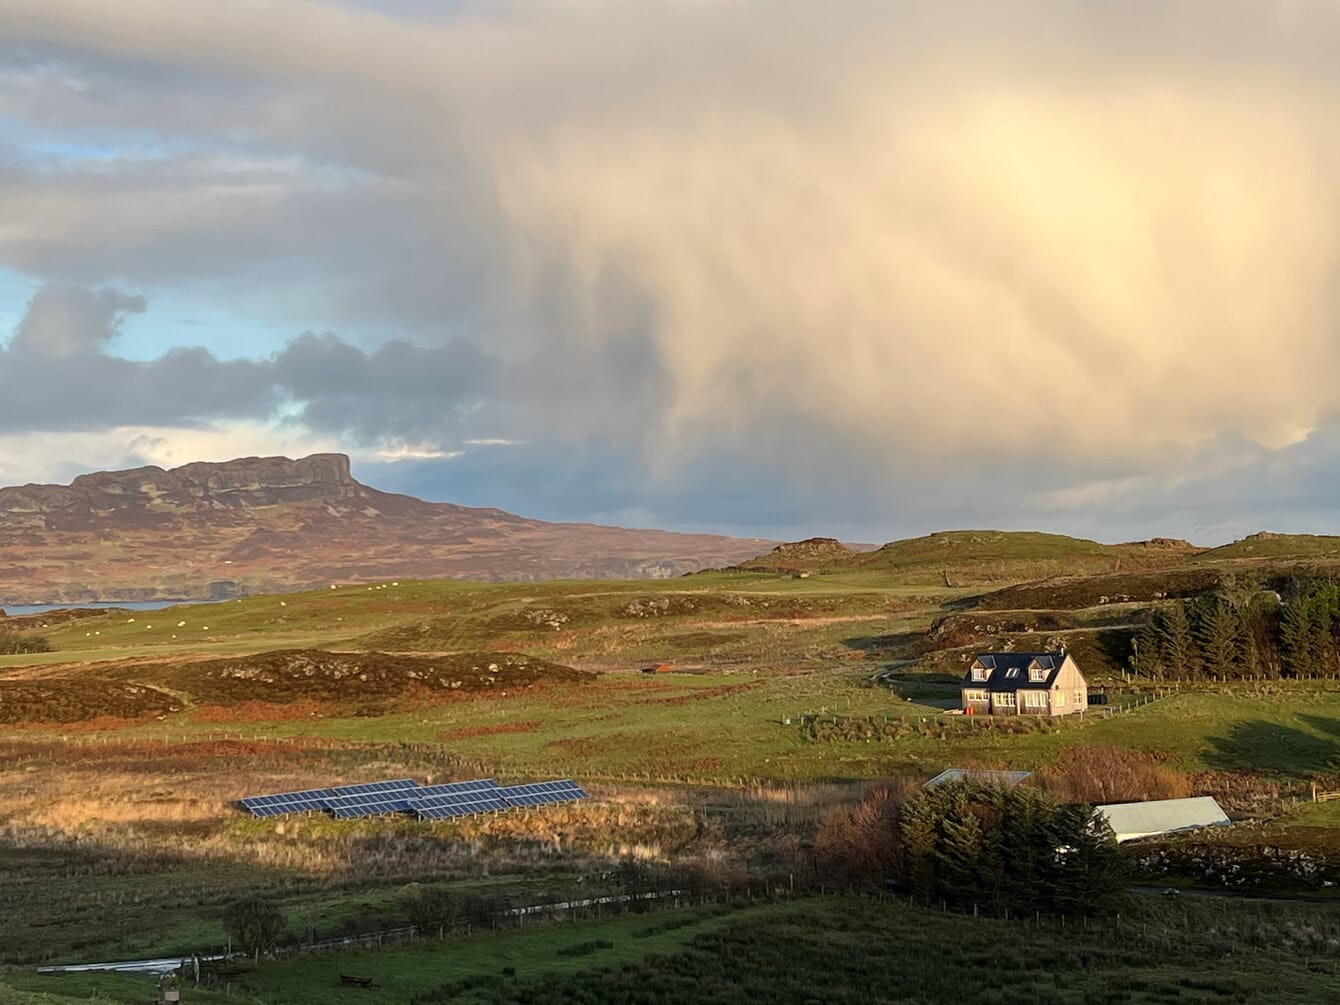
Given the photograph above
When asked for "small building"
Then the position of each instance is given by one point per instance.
(657, 668)
(1024, 684)
(979, 776)
(1161, 816)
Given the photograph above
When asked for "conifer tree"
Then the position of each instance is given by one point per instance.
(1217, 633)
(1179, 645)
(1297, 640)
(1147, 653)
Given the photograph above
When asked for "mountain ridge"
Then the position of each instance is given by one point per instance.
(214, 530)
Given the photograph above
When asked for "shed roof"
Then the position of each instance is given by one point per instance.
(982, 776)
(1162, 816)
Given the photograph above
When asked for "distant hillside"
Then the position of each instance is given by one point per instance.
(985, 555)
(802, 556)
(270, 524)
(1264, 544)
(976, 557)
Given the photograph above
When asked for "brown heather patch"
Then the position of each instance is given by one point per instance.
(102, 723)
(465, 732)
(261, 711)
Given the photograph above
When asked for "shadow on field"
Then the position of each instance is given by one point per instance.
(1268, 746)
(1323, 724)
(86, 901)
(901, 645)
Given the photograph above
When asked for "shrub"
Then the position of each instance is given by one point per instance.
(20, 645)
(428, 907)
(254, 923)
(1112, 775)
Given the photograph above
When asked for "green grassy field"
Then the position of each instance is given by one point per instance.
(818, 949)
(119, 837)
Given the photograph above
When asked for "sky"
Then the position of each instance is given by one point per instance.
(760, 267)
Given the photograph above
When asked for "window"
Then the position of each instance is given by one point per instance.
(974, 696)
(1037, 675)
(1060, 698)
(1080, 697)
(1035, 699)
(1002, 698)
(979, 673)
(1012, 672)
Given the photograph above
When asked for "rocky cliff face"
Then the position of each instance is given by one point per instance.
(152, 496)
(210, 531)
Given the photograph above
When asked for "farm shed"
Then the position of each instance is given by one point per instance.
(1161, 816)
(980, 776)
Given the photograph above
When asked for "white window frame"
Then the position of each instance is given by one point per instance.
(1012, 672)
(1059, 698)
(1035, 699)
(980, 673)
(1037, 675)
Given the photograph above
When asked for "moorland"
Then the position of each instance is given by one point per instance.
(730, 791)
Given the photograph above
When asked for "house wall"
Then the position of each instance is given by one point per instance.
(1070, 681)
(979, 706)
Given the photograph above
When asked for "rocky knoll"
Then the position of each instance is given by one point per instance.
(212, 531)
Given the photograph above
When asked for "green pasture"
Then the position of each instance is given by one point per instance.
(732, 617)
(828, 949)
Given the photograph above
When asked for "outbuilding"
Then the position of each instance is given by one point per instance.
(1162, 816)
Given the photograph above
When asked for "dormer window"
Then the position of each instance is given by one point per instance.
(979, 673)
(1037, 675)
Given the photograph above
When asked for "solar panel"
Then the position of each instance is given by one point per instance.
(287, 802)
(430, 802)
(450, 788)
(541, 793)
(370, 804)
(369, 788)
(446, 807)
(479, 802)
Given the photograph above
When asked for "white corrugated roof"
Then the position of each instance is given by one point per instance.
(1161, 816)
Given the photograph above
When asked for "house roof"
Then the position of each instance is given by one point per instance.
(982, 776)
(1161, 816)
(1010, 671)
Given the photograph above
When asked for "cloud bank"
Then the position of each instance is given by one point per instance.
(1046, 263)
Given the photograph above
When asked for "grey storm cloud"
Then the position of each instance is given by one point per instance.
(398, 390)
(72, 321)
(60, 370)
(892, 250)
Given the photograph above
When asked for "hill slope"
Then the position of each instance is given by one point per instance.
(976, 557)
(211, 531)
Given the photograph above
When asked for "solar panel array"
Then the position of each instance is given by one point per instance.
(540, 793)
(287, 802)
(404, 795)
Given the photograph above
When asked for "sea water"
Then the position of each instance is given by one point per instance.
(15, 610)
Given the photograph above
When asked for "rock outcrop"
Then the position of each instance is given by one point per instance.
(153, 496)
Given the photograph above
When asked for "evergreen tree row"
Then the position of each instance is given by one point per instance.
(1243, 636)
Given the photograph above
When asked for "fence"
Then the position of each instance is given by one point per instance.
(1318, 796)
(822, 727)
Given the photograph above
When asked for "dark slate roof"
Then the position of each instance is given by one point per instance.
(999, 665)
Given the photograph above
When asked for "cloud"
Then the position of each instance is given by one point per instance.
(71, 321)
(872, 248)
